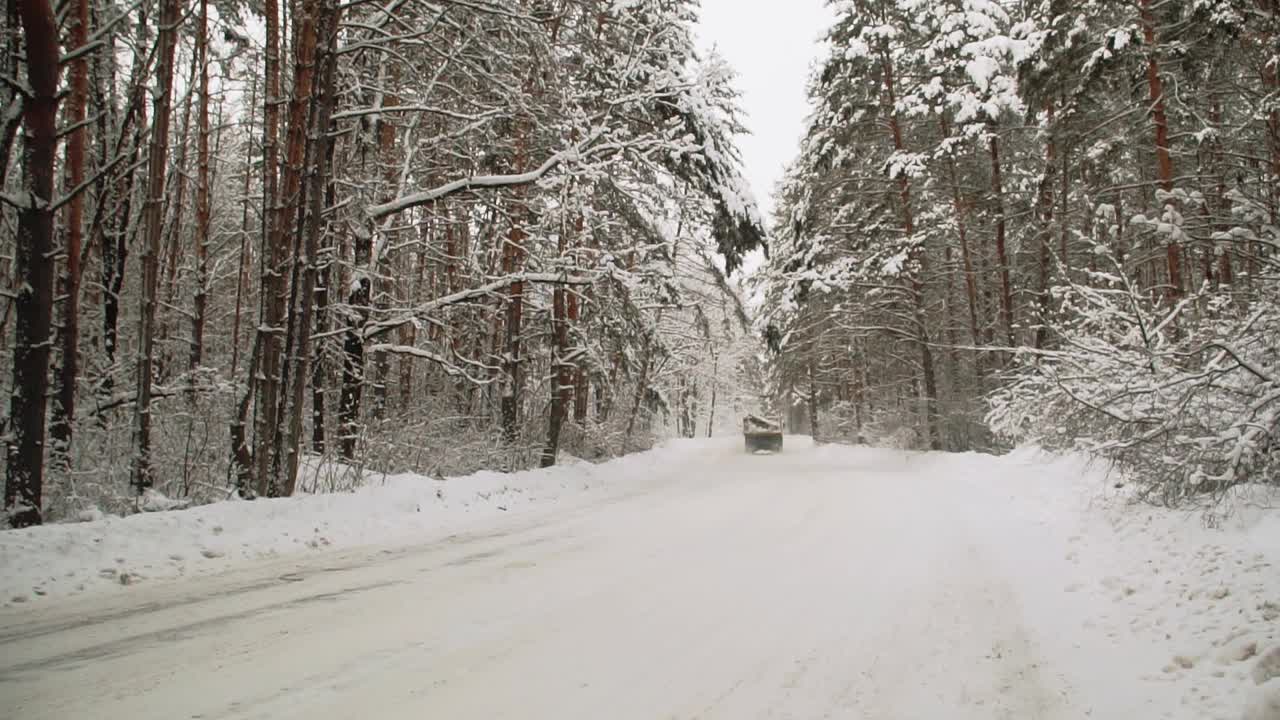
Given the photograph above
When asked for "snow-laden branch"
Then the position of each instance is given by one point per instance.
(408, 316)
(476, 182)
(448, 367)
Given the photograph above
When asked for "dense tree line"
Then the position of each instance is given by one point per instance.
(407, 235)
(1040, 221)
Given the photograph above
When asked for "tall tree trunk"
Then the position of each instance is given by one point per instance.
(513, 256)
(317, 181)
(1045, 205)
(279, 316)
(1270, 85)
(970, 281)
(200, 301)
(172, 250)
(319, 442)
(64, 413)
(1164, 163)
(561, 367)
(118, 228)
(642, 386)
(242, 265)
(916, 281)
(815, 427)
(153, 222)
(1002, 254)
(1225, 271)
(33, 306)
(353, 364)
(581, 379)
(715, 385)
(265, 361)
(382, 290)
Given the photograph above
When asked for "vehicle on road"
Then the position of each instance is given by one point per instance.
(761, 435)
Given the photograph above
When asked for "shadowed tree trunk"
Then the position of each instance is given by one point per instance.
(513, 257)
(200, 301)
(33, 306)
(1002, 252)
(561, 366)
(152, 224)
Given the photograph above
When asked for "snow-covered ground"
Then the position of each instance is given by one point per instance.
(691, 581)
(112, 554)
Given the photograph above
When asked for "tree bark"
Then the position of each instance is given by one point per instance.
(200, 301)
(513, 256)
(63, 425)
(561, 368)
(317, 181)
(1164, 162)
(33, 306)
(1045, 205)
(153, 228)
(266, 353)
(280, 326)
(1002, 254)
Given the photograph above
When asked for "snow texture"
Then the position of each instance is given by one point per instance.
(693, 580)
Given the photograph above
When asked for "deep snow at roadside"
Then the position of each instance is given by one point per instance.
(114, 553)
(1119, 611)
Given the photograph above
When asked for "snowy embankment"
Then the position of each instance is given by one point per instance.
(113, 553)
(1124, 591)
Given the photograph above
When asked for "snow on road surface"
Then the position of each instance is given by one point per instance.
(693, 582)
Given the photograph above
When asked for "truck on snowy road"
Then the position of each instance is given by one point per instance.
(761, 435)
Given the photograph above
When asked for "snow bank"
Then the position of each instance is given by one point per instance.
(109, 553)
(1187, 602)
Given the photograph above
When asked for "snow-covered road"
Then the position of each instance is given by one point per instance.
(811, 584)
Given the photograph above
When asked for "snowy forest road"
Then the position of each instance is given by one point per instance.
(785, 586)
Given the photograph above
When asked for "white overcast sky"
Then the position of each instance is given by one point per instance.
(771, 44)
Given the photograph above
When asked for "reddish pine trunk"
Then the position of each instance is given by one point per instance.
(33, 306)
(269, 435)
(153, 228)
(1164, 163)
(317, 182)
(65, 409)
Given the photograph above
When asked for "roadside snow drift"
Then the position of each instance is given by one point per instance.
(113, 553)
(691, 581)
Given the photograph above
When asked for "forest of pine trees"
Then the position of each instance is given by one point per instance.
(405, 235)
(1051, 221)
